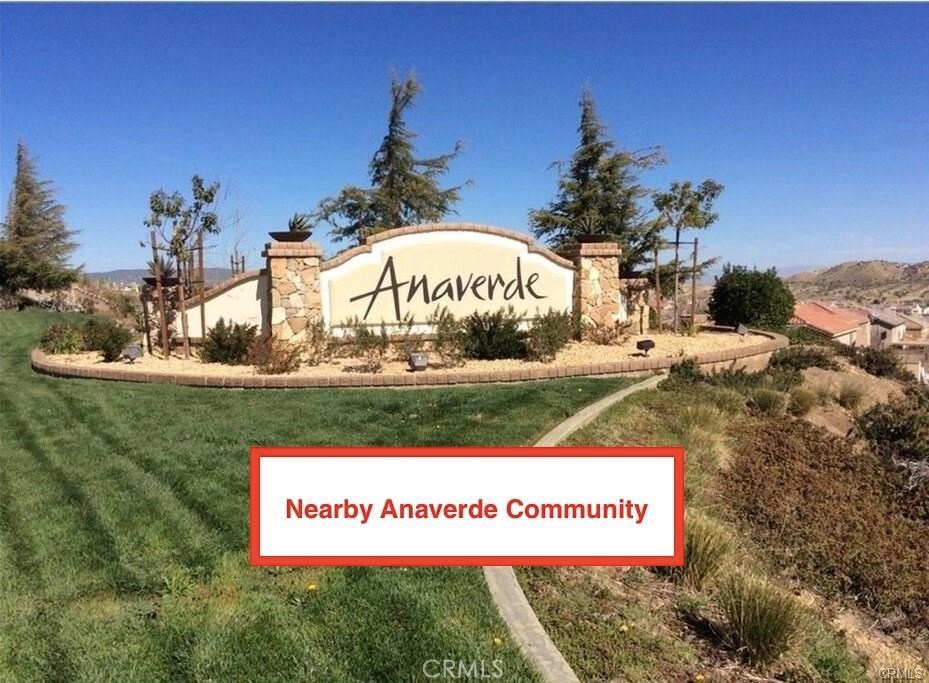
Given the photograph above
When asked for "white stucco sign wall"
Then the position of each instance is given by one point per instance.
(241, 300)
(410, 276)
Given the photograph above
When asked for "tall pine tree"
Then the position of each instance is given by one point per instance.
(36, 243)
(599, 194)
(404, 190)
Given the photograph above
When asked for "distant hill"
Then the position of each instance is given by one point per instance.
(865, 282)
(136, 274)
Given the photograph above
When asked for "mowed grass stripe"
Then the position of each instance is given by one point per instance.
(122, 495)
(152, 484)
(137, 489)
(76, 553)
(58, 506)
(29, 634)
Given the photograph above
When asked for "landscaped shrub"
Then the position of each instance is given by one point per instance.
(769, 402)
(228, 343)
(738, 379)
(605, 335)
(899, 428)
(62, 338)
(834, 515)
(781, 379)
(745, 382)
(367, 344)
(759, 620)
(706, 546)
(750, 297)
(802, 357)
(489, 336)
(850, 395)
(797, 334)
(272, 356)
(725, 399)
(319, 344)
(549, 334)
(405, 341)
(880, 363)
(448, 335)
(106, 336)
(801, 401)
(685, 372)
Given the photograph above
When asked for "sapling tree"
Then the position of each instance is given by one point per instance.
(179, 225)
(684, 207)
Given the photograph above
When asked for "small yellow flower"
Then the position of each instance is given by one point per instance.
(699, 678)
(312, 587)
(498, 640)
(624, 628)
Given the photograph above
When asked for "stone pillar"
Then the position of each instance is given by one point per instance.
(293, 283)
(596, 282)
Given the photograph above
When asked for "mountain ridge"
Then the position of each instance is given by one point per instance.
(127, 275)
(875, 281)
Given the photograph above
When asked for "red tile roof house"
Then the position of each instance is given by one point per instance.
(917, 326)
(887, 327)
(844, 325)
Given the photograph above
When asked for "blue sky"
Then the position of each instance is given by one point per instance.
(814, 117)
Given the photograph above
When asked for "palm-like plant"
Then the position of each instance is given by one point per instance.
(300, 222)
(165, 265)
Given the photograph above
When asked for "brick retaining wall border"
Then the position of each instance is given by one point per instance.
(754, 356)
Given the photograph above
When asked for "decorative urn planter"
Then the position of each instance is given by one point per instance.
(593, 238)
(419, 361)
(290, 235)
(165, 281)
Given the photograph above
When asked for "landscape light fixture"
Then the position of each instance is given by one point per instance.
(741, 330)
(418, 361)
(132, 352)
(645, 345)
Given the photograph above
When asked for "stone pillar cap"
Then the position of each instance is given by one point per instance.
(284, 249)
(591, 249)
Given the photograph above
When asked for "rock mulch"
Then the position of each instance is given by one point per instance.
(667, 346)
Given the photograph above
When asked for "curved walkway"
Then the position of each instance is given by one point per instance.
(507, 594)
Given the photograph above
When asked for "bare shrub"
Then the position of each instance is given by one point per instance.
(272, 356)
(366, 344)
(319, 344)
(449, 339)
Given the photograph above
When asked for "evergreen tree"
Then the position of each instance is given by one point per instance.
(599, 194)
(36, 243)
(404, 190)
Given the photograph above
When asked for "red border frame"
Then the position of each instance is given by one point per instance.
(258, 560)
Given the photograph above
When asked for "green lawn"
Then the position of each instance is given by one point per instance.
(123, 530)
